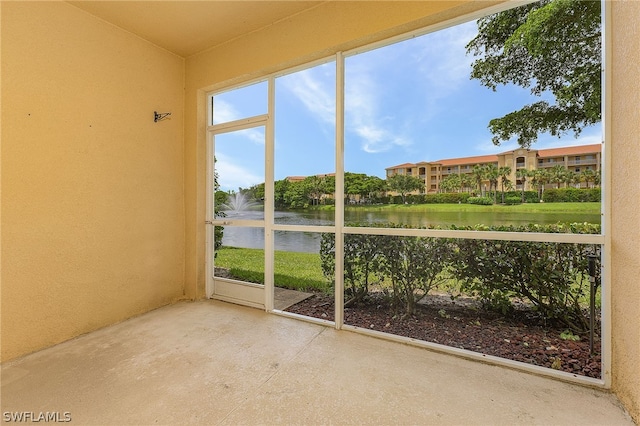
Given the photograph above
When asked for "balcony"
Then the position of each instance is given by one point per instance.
(210, 362)
(582, 162)
(551, 164)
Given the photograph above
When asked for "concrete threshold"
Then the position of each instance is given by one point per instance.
(211, 362)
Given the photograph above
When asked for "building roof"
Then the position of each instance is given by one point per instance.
(402, 166)
(493, 158)
(570, 150)
(479, 159)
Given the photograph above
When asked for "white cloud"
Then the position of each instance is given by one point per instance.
(588, 137)
(442, 64)
(316, 93)
(442, 59)
(315, 88)
(224, 112)
(232, 176)
(254, 135)
(487, 147)
(363, 115)
(435, 64)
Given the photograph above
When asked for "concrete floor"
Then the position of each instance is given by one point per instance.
(211, 362)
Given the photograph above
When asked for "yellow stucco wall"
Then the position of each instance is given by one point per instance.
(103, 210)
(625, 196)
(92, 188)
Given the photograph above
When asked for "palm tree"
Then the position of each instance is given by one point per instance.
(587, 176)
(598, 178)
(504, 173)
(466, 182)
(557, 173)
(570, 177)
(541, 177)
(523, 174)
(493, 174)
(451, 183)
(478, 173)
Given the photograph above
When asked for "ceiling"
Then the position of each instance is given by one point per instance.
(189, 27)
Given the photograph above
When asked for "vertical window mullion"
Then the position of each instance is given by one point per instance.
(269, 199)
(339, 194)
(605, 201)
(209, 215)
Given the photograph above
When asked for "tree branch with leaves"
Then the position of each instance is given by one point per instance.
(552, 47)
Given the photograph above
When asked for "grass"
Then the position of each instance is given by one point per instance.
(293, 270)
(593, 208)
(589, 208)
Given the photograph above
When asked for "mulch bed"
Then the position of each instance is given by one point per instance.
(459, 324)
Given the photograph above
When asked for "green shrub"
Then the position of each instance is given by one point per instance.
(447, 198)
(572, 195)
(362, 258)
(529, 196)
(552, 277)
(483, 201)
(512, 199)
(413, 265)
(440, 198)
(415, 198)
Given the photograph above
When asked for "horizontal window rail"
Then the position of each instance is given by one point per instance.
(481, 235)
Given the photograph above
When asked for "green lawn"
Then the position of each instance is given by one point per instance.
(297, 271)
(593, 208)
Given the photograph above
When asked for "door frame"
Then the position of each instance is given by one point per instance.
(240, 292)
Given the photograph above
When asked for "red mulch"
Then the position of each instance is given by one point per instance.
(462, 325)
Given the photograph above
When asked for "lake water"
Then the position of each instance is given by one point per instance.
(310, 241)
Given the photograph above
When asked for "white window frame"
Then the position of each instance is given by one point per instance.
(340, 230)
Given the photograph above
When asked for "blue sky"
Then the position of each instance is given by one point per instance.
(408, 102)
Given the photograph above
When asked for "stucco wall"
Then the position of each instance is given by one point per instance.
(92, 188)
(625, 197)
(100, 221)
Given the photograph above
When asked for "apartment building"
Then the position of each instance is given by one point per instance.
(575, 158)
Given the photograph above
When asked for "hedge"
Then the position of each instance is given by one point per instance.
(483, 201)
(572, 195)
(551, 277)
(529, 196)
